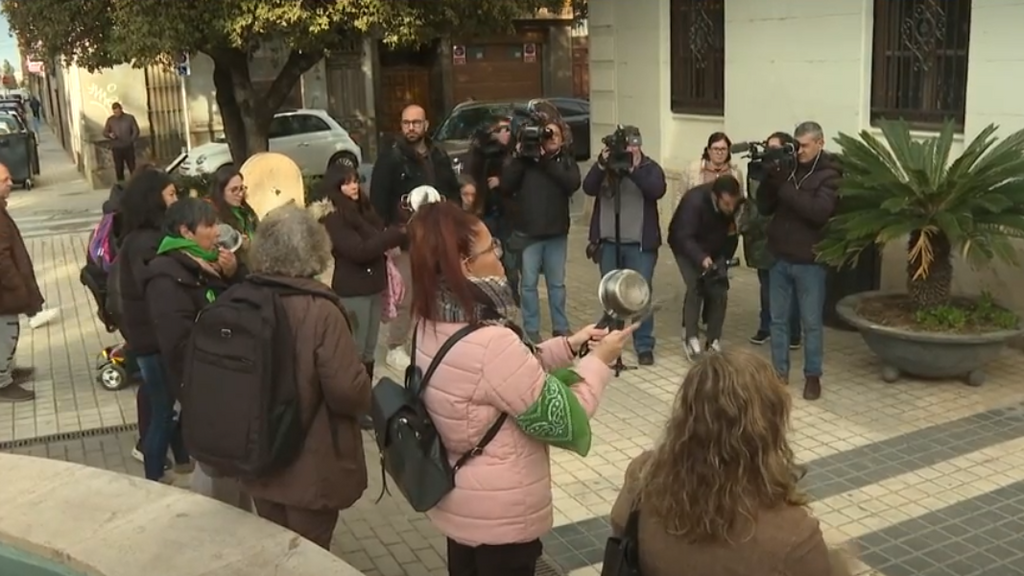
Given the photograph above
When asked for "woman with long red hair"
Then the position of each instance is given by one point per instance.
(501, 504)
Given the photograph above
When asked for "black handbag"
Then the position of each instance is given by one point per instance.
(411, 450)
(622, 553)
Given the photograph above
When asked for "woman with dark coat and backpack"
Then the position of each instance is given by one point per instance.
(328, 474)
(188, 272)
(359, 241)
(143, 203)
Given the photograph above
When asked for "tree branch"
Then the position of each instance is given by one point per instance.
(296, 65)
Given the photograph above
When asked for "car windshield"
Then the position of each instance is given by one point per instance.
(461, 124)
(8, 125)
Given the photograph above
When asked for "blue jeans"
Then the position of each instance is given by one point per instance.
(547, 256)
(807, 283)
(164, 430)
(643, 261)
(766, 315)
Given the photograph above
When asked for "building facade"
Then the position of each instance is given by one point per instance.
(682, 69)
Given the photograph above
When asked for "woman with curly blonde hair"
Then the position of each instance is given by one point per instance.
(718, 495)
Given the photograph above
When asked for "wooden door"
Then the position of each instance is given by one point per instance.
(580, 67)
(401, 86)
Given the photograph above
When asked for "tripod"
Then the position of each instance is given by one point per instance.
(607, 321)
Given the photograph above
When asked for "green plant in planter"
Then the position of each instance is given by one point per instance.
(906, 187)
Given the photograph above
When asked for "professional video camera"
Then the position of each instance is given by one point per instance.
(619, 160)
(763, 159)
(534, 131)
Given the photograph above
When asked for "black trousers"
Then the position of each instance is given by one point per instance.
(123, 156)
(498, 560)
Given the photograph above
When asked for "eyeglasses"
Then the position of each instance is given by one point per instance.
(494, 247)
(414, 123)
(718, 149)
(238, 189)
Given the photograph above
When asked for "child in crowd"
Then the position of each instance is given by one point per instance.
(472, 202)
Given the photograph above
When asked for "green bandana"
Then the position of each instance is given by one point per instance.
(172, 243)
(557, 417)
(244, 220)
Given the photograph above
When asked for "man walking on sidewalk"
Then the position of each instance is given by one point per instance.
(122, 130)
(19, 294)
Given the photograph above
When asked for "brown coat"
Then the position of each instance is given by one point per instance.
(19, 292)
(334, 391)
(785, 542)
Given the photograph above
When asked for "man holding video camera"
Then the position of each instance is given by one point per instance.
(800, 204)
(625, 231)
(488, 151)
(697, 235)
(539, 182)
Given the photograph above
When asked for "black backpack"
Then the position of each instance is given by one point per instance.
(240, 395)
(411, 450)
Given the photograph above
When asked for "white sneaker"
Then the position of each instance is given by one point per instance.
(44, 317)
(692, 348)
(398, 359)
(714, 346)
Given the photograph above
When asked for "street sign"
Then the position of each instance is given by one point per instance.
(183, 64)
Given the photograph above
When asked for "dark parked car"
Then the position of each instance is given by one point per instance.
(454, 133)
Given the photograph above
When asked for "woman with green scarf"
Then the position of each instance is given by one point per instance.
(188, 272)
(228, 194)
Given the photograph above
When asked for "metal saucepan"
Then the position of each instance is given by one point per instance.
(625, 296)
(228, 238)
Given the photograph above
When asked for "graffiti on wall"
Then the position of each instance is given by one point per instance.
(99, 96)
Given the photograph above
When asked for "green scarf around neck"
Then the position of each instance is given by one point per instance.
(172, 243)
(244, 220)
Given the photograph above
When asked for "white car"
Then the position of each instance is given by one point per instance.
(311, 138)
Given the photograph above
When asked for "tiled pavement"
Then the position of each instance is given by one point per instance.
(924, 478)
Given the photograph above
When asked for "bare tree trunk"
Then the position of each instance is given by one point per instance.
(245, 114)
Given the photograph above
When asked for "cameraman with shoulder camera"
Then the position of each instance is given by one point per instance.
(631, 183)
(800, 204)
(488, 152)
(753, 226)
(697, 236)
(539, 182)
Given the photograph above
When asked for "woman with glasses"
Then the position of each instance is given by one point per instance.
(360, 242)
(228, 195)
(493, 378)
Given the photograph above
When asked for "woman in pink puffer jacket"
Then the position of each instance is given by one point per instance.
(501, 504)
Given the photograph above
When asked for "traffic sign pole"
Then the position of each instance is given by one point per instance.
(184, 69)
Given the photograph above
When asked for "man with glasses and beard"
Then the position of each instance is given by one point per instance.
(410, 162)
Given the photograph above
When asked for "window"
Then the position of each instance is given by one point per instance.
(308, 124)
(569, 108)
(697, 60)
(919, 61)
(463, 122)
(282, 126)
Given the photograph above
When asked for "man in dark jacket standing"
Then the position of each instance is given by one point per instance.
(697, 235)
(19, 294)
(122, 130)
(410, 162)
(540, 190)
(639, 235)
(800, 206)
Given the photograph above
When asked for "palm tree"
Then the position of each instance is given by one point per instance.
(904, 187)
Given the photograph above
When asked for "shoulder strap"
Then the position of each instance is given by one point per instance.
(442, 351)
(632, 530)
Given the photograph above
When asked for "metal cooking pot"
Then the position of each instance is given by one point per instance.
(228, 238)
(624, 295)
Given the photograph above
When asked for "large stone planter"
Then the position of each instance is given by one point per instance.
(925, 354)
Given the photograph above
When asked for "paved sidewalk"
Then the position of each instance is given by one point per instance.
(925, 477)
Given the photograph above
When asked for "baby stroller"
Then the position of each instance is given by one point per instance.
(99, 275)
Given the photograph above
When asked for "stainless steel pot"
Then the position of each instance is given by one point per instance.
(228, 238)
(624, 295)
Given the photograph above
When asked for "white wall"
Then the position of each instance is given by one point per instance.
(787, 62)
